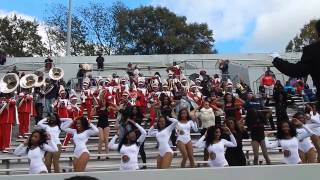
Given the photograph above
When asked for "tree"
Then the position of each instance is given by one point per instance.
(57, 32)
(98, 20)
(19, 38)
(306, 36)
(156, 30)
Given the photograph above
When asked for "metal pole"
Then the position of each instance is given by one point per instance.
(69, 29)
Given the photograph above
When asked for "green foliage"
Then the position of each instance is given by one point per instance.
(19, 37)
(57, 32)
(306, 36)
(156, 30)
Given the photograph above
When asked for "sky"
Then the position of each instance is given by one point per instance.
(239, 26)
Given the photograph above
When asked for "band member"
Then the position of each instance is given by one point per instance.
(7, 117)
(133, 94)
(154, 102)
(61, 104)
(73, 112)
(195, 95)
(184, 83)
(25, 103)
(141, 95)
(86, 99)
(165, 90)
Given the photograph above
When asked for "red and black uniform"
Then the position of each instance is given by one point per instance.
(61, 107)
(196, 98)
(24, 111)
(141, 99)
(7, 118)
(87, 103)
(155, 102)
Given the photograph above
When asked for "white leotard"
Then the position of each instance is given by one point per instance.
(218, 149)
(314, 119)
(290, 145)
(314, 123)
(130, 151)
(79, 139)
(36, 156)
(53, 131)
(163, 136)
(186, 128)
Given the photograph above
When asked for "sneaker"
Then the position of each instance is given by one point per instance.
(5, 151)
(107, 157)
(26, 136)
(20, 137)
(143, 167)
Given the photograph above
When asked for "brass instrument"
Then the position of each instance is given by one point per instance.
(40, 79)
(9, 83)
(28, 81)
(56, 73)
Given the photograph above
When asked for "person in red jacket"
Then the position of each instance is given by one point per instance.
(73, 113)
(268, 82)
(62, 103)
(7, 117)
(25, 104)
(86, 99)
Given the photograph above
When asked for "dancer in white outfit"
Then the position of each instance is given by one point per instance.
(35, 148)
(129, 147)
(162, 135)
(307, 150)
(80, 137)
(216, 146)
(288, 140)
(312, 110)
(53, 129)
(184, 139)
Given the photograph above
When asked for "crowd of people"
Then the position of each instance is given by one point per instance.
(169, 109)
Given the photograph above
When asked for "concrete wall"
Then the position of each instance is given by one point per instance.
(240, 63)
(280, 172)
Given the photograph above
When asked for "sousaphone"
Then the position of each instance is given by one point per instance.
(9, 83)
(40, 79)
(28, 81)
(56, 73)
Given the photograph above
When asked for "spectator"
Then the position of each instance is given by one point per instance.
(130, 69)
(80, 75)
(14, 70)
(288, 88)
(2, 57)
(268, 82)
(224, 67)
(48, 64)
(100, 61)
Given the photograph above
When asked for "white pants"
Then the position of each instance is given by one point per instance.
(268, 90)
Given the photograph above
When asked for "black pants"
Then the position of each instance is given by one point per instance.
(39, 109)
(143, 153)
(100, 66)
(173, 138)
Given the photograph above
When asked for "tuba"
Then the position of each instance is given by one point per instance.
(28, 81)
(40, 79)
(56, 73)
(9, 83)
